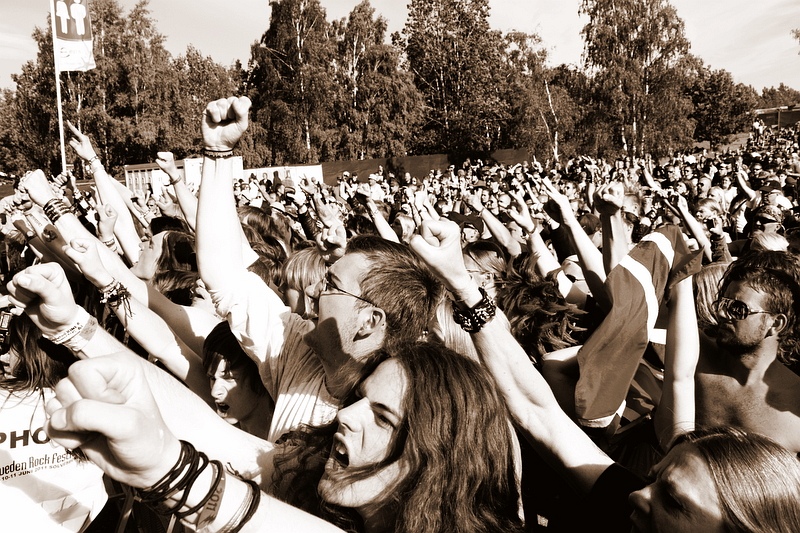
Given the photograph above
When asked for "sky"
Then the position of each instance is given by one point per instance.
(749, 38)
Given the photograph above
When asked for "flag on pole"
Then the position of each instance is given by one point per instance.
(72, 35)
(637, 286)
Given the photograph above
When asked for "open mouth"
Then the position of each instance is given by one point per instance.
(339, 453)
(222, 409)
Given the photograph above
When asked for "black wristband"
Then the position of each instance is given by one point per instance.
(473, 319)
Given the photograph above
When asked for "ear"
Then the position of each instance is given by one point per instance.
(372, 321)
(778, 324)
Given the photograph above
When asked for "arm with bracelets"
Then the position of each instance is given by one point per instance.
(44, 293)
(125, 230)
(144, 325)
(190, 325)
(107, 408)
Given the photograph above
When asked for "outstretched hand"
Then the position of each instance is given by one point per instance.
(224, 122)
(44, 292)
(565, 212)
(166, 162)
(106, 408)
(106, 220)
(83, 252)
(81, 143)
(520, 213)
(331, 241)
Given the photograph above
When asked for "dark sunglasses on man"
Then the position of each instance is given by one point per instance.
(735, 309)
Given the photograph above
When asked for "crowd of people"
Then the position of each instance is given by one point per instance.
(527, 347)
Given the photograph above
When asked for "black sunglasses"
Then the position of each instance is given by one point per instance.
(735, 309)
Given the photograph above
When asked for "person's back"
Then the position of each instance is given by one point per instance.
(741, 376)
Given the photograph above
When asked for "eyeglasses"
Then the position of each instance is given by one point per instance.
(764, 221)
(735, 309)
(328, 286)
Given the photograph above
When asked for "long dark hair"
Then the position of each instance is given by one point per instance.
(540, 318)
(455, 442)
(41, 364)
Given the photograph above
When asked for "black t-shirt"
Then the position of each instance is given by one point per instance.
(607, 508)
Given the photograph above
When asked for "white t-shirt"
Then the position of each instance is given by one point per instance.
(42, 487)
(272, 336)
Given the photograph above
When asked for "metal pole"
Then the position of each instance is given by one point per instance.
(58, 88)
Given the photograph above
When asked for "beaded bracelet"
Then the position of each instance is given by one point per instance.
(110, 243)
(91, 169)
(472, 320)
(217, 154)
(116, 294)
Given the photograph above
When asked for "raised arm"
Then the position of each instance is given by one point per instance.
(187, 201)
(545, 261)
(591, 258)
(219, 235)
(498, 230)
(43, 291)
(608, 201)
(144, 325)
(530, 400)
(676, 411)
(384, 228)
(741, 182)
(106, 407)
(124, 230)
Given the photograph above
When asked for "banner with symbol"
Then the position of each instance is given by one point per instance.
(72, 35)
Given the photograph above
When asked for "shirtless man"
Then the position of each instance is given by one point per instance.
(741, 376)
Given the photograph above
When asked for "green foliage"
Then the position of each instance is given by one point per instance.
(325, 91)
(721, 106)
(290, 81)
(138, 100)
(379, 106)
(634, 49)
(454, 57)
(777, 97)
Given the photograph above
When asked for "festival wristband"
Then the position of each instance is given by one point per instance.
(80, 321)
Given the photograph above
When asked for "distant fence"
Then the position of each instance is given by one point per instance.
(780, 116)
(418, 165)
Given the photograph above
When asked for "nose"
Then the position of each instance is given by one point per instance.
(349, 417)
(312, 291)
(218, 390)
(640, 500)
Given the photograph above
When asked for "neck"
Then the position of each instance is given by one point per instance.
(751, 366)
(259, 420)
(375, 520)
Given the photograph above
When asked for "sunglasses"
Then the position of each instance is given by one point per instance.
(764, 221)
(735, 309)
